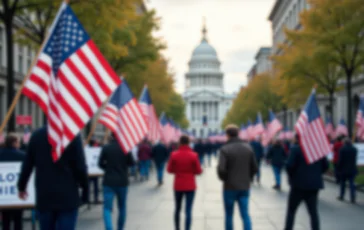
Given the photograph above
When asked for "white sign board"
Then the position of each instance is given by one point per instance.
(360, 158)
(92, 159)
(9, 175)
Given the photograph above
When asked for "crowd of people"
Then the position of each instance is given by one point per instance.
(58, 184)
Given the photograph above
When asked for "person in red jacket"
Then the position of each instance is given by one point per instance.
(337, 146)
(184, 164)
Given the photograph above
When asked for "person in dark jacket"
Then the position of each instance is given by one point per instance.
(56, 183)
(236, 168)
(259, 154)
(11, 153)
(277, 157)
(208, 151)
(305, 182)
(144, 156)
(115, 164)
(200, 150)
(347, 165)
(160, 155)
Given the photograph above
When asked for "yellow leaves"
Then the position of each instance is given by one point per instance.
(258, 96)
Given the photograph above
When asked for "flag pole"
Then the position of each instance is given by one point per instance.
(18, 94)
(94, 124)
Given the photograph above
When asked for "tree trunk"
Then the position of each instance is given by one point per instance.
(331, 105)
(350, 102)
(285, 116)
(10, 73)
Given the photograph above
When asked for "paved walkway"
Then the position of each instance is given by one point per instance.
(151, 208)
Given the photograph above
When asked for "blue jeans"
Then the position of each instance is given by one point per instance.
(201, 158)
(277, 174)
(61, 220)
(160, 171)
(343, 181)
(178, 196)
(121, 195)
(242, 197)
(144, 168)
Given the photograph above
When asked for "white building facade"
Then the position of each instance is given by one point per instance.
(205, 99)
(263, 63)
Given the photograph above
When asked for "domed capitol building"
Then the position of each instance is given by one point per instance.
(206, 101)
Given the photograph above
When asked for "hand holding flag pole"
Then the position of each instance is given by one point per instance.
(35, 59)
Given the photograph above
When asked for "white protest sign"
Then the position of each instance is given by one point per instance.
(360, 157)
(9, 175)
(92, 159)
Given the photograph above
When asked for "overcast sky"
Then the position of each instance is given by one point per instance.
(236, 29)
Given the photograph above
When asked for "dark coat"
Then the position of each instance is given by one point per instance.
(237, 165)
(305, 176)
(348, 160)
(56, 183)
(277, 155)
(258, 150)
(160, 153)
(199, 149)
(11, 155)
(144, 152)
(115, 164)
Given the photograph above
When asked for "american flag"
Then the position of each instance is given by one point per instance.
(286, 134)
(273, 127)
(123, 116)
(145, 102)
(167, 129)
(26, 136)
(70, 80)
(250, 130)
(329, 128)
(243, 134)
(341, 129)
(176, 131)
(311, 130)
(360, 119)
(258, 126)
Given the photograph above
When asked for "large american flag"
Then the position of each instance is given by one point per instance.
(70, 80)
(329, 128)
(243, 134)
(145, 102)
(341, 129)
(311, 130)
(123, 116)
(360, 119)
(258, 126)
(273, 127)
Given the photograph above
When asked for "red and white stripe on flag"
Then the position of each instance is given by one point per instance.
(360, 124)
(127, 123)
(154, 128)
(70, 81)
(313, 138)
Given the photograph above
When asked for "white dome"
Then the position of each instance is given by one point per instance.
(204, 48)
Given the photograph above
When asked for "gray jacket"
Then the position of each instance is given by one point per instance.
(237, 165)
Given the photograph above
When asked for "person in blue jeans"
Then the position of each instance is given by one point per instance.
(347, 165)
(259, 154)
(115, 164)
(277, 157)
(160, 155)
(57, 184)
(236, 168)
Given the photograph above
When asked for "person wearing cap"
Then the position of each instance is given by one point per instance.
(236, 168)
(185, 165)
